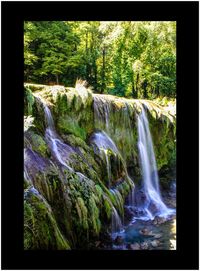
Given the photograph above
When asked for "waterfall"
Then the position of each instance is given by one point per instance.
(104, 143)
(152, 204)
(48, 116)
(59, 150)
(116, 222)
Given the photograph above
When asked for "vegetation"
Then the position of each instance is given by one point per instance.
(81, 158)
(132, 59)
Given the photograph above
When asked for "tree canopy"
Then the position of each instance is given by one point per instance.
(126, 58)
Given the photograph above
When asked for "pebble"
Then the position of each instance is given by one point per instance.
(146, 232)
(119, 240)
(144, 245)
(97, 243)
(157, 236)
(134, 246)
(155, 243)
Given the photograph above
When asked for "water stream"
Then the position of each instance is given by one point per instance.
(146, 202)
(152, 204)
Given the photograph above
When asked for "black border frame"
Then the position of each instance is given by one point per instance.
(187, 16)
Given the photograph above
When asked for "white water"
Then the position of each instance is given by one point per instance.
(116, 222)
(149, 173)
(108, 167)
(60, 151)
(104, 143)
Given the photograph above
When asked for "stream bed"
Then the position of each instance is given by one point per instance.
(147, 235)
(138, 234)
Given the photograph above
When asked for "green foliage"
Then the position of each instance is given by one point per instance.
(70, 126)
(29, 101)
(108, 207)
(132, 59)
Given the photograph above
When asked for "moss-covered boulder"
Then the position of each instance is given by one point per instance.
(36, 142)
(40, 228)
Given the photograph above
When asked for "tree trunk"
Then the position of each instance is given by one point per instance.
(134, 91)
(136, 85)
(87, 57)
(57, 81)
(144, 86)
(103, 70)
(95, 76)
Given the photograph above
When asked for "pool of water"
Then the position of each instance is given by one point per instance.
(147, 235)
(156, 234)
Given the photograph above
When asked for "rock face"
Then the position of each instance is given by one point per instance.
(72, 182)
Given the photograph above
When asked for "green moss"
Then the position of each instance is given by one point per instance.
(99, 191)
(94, 211)
(82, 212)
(40, 228)
(75, 141)
(37, 143)
(107, 207)
(28, 101)
(69, 125)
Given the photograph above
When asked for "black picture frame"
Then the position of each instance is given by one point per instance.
(186, 14)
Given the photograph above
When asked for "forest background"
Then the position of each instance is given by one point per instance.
(124, 58)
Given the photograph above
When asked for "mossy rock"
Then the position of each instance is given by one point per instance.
(37, 143)
(40, 228)
(68, 125)
(29, 100)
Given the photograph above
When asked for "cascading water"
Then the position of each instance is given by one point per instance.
(104, 143)
(116, 225)
(59, 149)
(152, 204)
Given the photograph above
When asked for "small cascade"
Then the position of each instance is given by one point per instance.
(152, 204)
(117, 225)
(108, 167)
(102, 109)
(48, 116)
(104, 143)
(27, 176)
(60, 151)
(131, 197)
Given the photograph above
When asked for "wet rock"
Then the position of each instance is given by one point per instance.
(141, 198)
(128, 213)
(144, 245)
(153, 207)
(119, 240)
(159, 220)
(155, 243)
(134, 246)
(146, 232)
(158, 235)
(97, 243)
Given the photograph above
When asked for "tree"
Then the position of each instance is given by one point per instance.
(132, 59)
